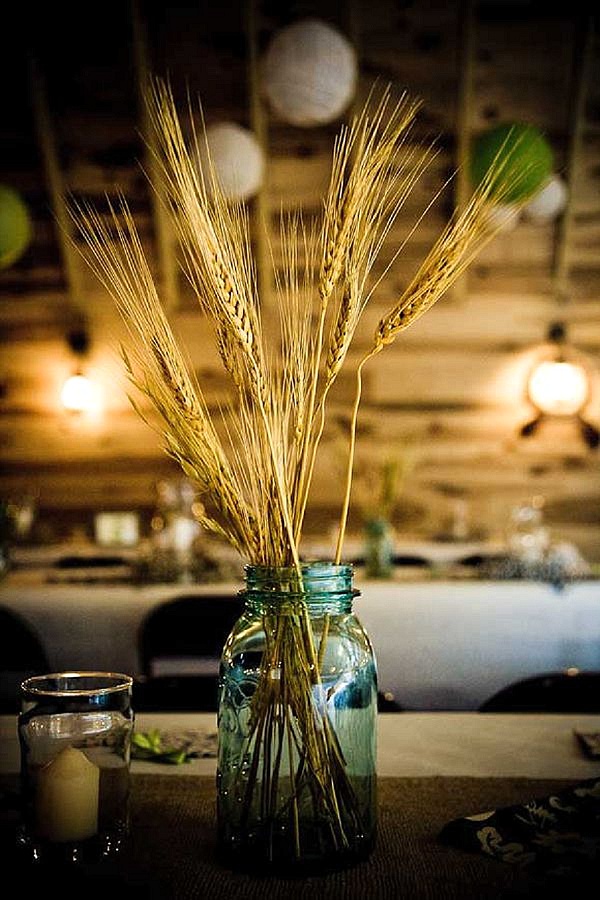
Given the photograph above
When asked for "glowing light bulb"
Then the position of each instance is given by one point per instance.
(558, 388)
(79, 394)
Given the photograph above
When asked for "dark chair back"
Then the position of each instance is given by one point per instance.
(553, 692)
(175, 693)
(21, 655)
(410, 559)
(386, 702)
(198, 693)
(191, 629)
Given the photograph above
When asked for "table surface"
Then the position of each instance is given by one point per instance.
(411, 745)
(433, 767)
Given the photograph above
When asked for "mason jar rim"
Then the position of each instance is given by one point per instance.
(314, 567)
(33, 684)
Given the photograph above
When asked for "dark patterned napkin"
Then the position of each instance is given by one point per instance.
(553, 835)
(589, 741)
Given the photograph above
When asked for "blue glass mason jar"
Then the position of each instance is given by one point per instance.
(296, 776)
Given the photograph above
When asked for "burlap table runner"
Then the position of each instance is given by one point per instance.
(171, 855)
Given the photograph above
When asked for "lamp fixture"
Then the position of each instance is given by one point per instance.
(559, 386)
(79, 394)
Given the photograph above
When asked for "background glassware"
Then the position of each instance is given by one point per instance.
(75, 738)
(379, 549)
(175, 531)
(528, 538)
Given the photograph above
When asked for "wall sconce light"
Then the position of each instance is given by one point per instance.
(559, 386)
(79, 394)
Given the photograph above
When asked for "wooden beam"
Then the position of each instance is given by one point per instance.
(464, 104)
(56, 188)
(260, 126)
(354, 26)
(165, 236)
(582, 55)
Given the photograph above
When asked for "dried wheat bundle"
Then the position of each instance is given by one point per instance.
(255, 467)
(253, 460)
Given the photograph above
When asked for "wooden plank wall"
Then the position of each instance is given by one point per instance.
(450, 392)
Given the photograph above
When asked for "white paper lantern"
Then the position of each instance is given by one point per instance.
(548, 203)
(236, 157)
(309, 73)
(503, 217)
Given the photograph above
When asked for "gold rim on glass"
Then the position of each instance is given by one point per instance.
(31, 685)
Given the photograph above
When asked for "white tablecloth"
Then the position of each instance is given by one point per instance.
(439, 644)
(414, 745)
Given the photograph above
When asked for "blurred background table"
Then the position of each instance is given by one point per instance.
(440, 644)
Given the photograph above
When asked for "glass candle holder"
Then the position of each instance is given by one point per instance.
(75, 739)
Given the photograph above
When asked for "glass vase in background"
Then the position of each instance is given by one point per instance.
(75, 738)
(528, 538)
(296, 777)
(379, 549)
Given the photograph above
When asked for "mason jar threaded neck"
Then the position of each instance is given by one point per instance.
(322, 587)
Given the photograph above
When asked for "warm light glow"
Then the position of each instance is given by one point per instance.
(79, 394)
(558, 388)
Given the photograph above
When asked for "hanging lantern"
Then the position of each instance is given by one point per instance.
(559, 386)
(15, 227)
(548, 203)
(236, 158)
(79, 394)
(528, 160)
(309, 73)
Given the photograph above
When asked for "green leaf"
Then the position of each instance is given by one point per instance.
(148, 745)
(139, 739)
(175, 757)
(155, 739)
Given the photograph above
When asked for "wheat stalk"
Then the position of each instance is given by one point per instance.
(215, 237)
(366, 194)
(461, 241)
(156, 366)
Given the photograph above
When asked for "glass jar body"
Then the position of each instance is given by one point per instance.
(296, 778)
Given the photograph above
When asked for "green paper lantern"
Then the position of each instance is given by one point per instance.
(15, 227)
(529, 160)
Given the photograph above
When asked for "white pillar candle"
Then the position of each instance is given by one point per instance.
(66, 797)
